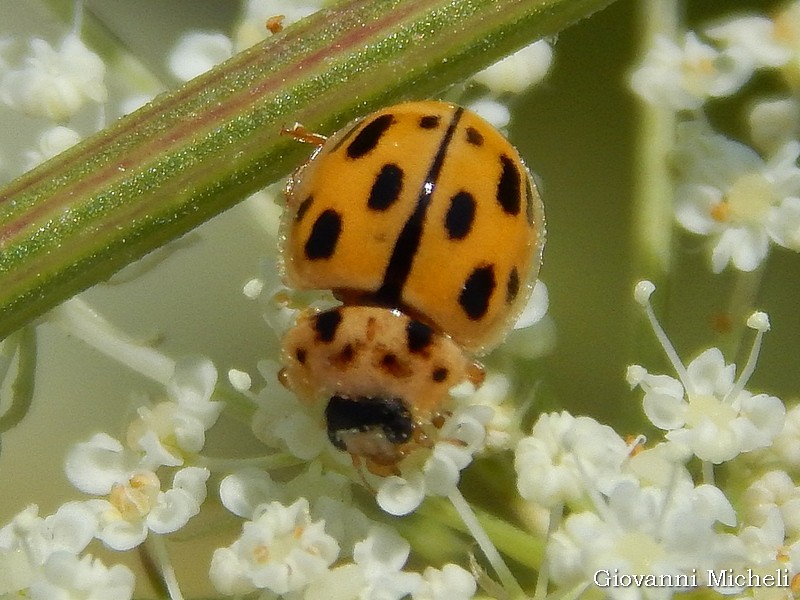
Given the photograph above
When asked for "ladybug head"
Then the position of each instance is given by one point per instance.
(376, 429)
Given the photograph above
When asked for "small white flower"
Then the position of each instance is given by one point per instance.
(171, 431)
(135, 502)
(684, 76)
(536, 308)
(240, 380)
(517, 72)
(197, 52)
(375, 574)
(95, 466)
(503, 429)
(53, 141)
(140, 505)
(280, 550)
(401, 495)
(786, 445)
(706, 409)
(783, 224)
(766, 540)
(328, 493)
(450, 583)
(711, 418)
(32, 546)
(754, 37)
(69, 529)
(244, 491)
(192, 386)
(534, 333)
(283, 421)
(461, 436)
(177, 505)
(773, 123)
(773, 490)
(564, 455)
(55, 84)
(660, 464)
(494, 112)
(67, 576)
(728, 192)
(642, 291)
(787, 32)
(646, 531)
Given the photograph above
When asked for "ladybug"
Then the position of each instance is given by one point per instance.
(425, 223)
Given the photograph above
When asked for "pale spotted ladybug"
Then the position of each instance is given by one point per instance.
(425, 223)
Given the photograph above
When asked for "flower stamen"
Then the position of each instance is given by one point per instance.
(720, 211)
(642, 292)
(760, 322)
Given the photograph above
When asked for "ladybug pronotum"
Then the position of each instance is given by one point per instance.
(425, 223)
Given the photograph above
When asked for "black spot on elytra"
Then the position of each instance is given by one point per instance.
(508, 187)
(393, 366)
(460, 215)
(303, 208)
(439, 374)
(429, 121)
(324, 235)
(300, 355)
(474, 137)
(477, 292)
(386, 187)
(418, 336)
(369, 136)
(326, 324)
(512, 286)
(529, 200)
(344, 357)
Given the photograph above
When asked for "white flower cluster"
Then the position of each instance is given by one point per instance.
(56, 92)
(167, 435)
(50, 85)
(305, 538)
(43, 555)
(54, 83)
(40, 558)
(744, 199)
(706, 411)
(628, 511)
(619, 508)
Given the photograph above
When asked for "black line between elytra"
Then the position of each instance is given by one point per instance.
(405, 248)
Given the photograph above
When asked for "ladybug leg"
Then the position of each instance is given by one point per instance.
(359, 467)
(476, 374)
(274, 24)
(301, 134)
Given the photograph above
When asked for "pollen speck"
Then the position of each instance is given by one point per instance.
(720, 212)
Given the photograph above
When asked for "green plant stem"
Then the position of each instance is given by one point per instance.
(653, 212)
(653, 215)
(194, 152)
(515, 543)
